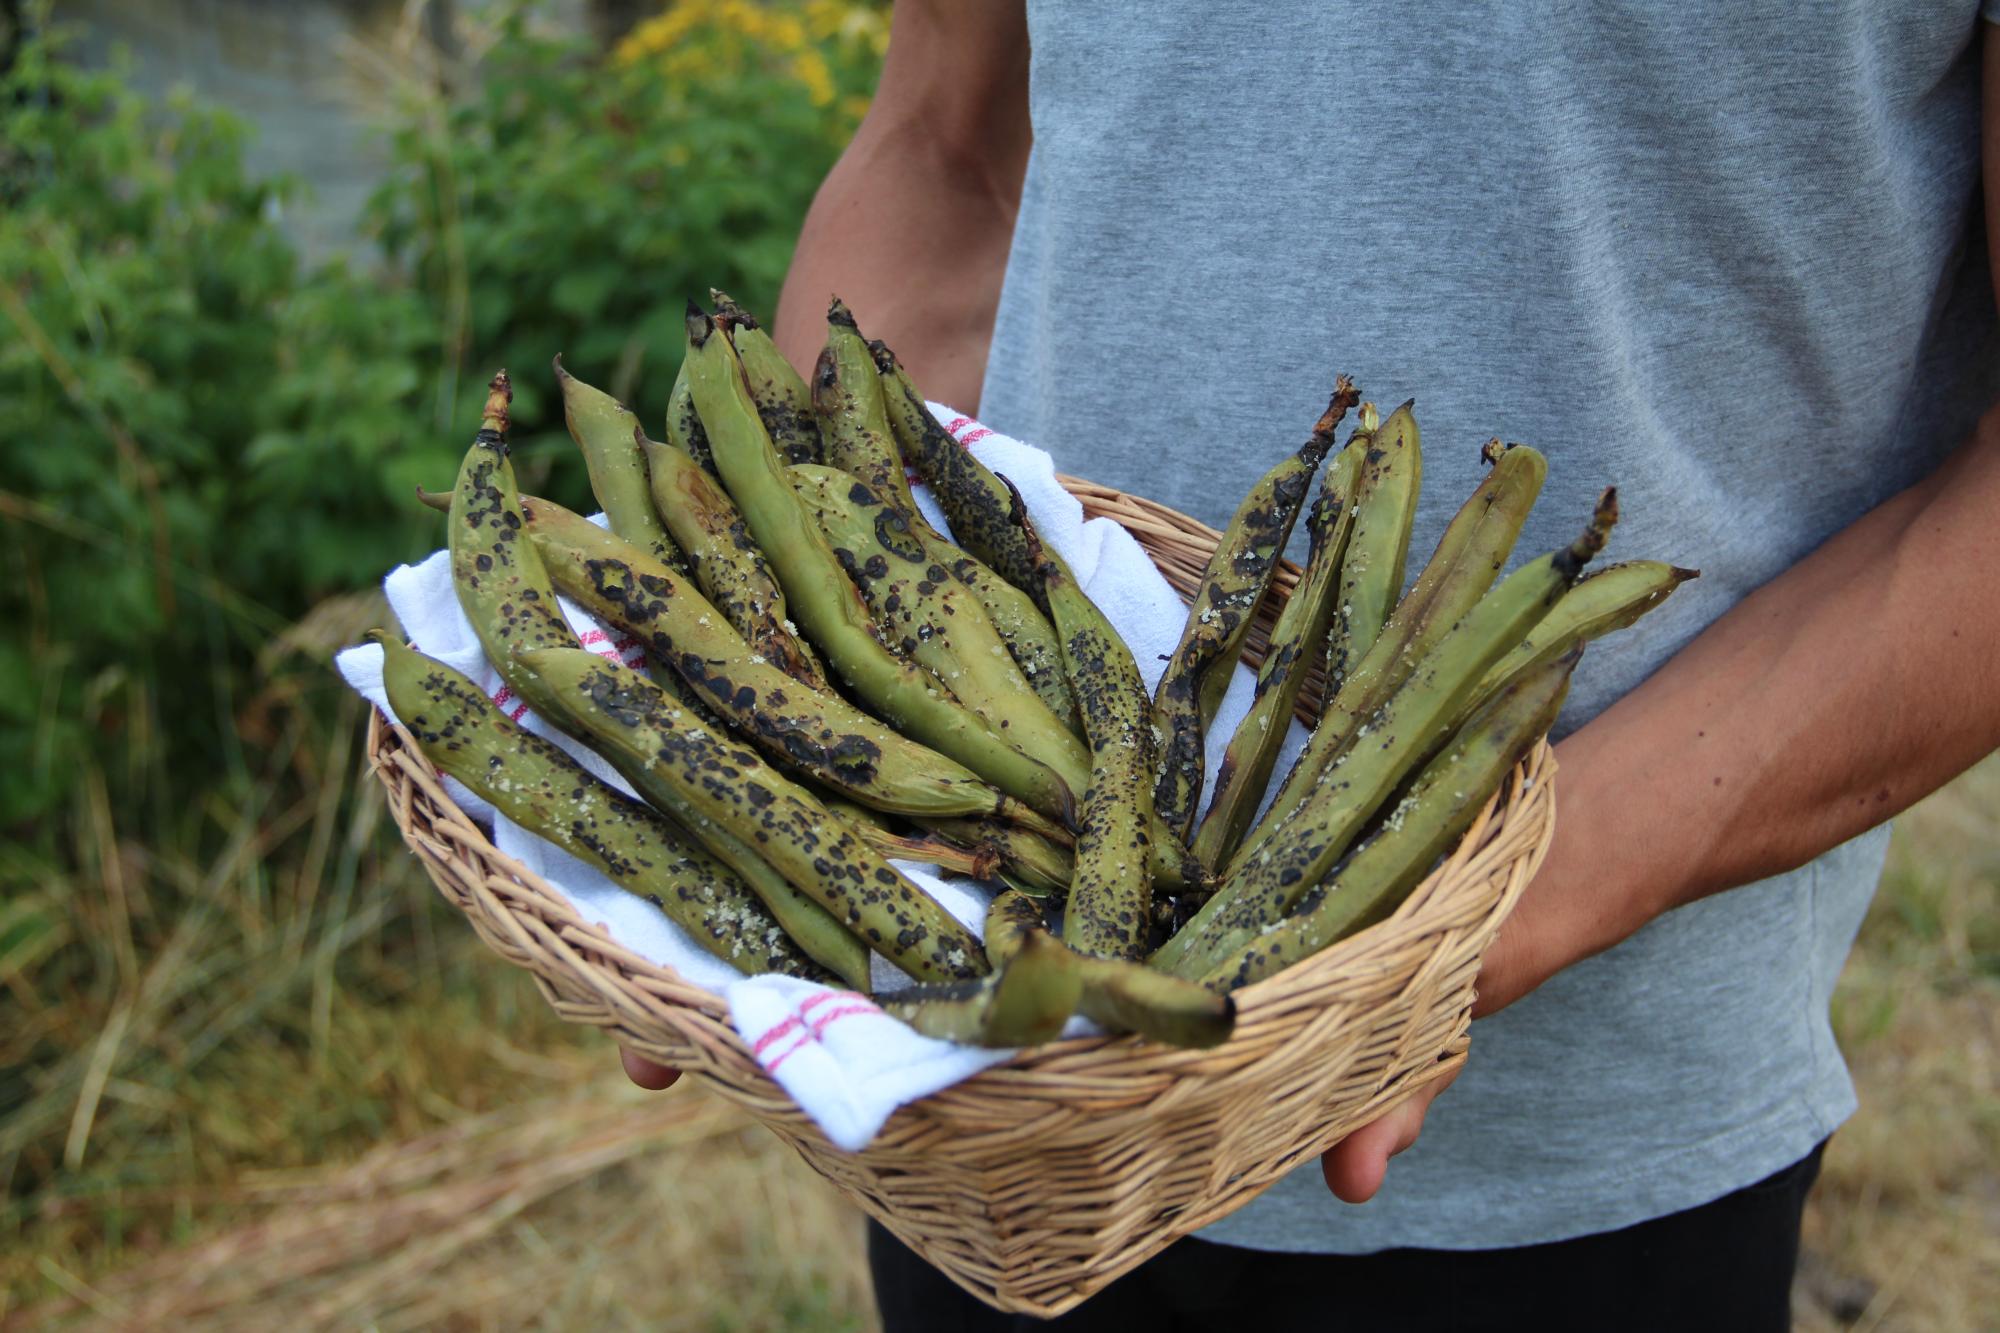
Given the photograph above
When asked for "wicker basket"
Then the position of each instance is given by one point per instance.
(1038, 1181)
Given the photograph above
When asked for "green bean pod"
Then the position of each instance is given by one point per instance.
(1610, 599)
(935, 619)
(1118, 995)
(1296, 640)
(712, 781)
(532, 782)
(1469, 555)
(974, 500)
(1269, 878)
(1428, 822)
(818, 734)
(822, 599)
(725, 561)
(783, 401)
(607, 434)
(1219, 617)
(1111, 893)
(684, 428)
(853, 418)
(1037, 865)
(1023, 1003)
(497, 574)
(1385, 506)
(1029, 637)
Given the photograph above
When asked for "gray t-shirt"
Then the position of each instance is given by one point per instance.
(1725, 256)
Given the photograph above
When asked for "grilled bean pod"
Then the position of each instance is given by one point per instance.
(1024, 1003)
(1219, 617)
(1268, 879)
(1428, 822)
(853, 418)
(684, 428)
(532, 782)
(1297, 639)
(783, 400)
(1037, 865)
(933, 618)
(1470, 554)
(725, 561)
(825, 602)
(1118, 995)
(820, 735)
(1110, 898)
(712, 781)
(495, 571)
(1602, 602)
(607, 434)
(1371, 577)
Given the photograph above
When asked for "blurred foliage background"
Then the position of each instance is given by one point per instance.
(252, 1072)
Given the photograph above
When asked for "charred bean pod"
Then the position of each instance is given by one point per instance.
(783, 400)
(496, 572)
(1608, 600)
(933, 618)
(1269, 878)
(1219, 617)
(826, 603)
(1427, 823)
(607, 434)
(1296, 641)
(853, 418)
(818, 734)
(715, 782)
(725, 561)
(533, 783)
(1474, 548)
(1023, 1003)
(1110, 900)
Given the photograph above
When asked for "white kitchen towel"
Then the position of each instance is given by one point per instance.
(846, 1063)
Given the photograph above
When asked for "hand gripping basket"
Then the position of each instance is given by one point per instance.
(1038, 1181)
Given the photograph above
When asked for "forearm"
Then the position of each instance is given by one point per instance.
(1830, 699)
(913, 225)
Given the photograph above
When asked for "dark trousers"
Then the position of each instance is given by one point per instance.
(1725, 1265)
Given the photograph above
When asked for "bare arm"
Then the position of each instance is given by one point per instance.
(912, 226)
(1835, 696)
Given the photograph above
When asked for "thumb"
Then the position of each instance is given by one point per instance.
(1355, 1166)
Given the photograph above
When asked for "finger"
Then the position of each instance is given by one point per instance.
(645, 1073)
(1354, 1167)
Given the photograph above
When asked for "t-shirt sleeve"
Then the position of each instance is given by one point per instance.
(1990, 10)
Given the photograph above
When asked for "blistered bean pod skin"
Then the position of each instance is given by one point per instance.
(1111, 894)
(1296, 641)
(684, 428)
(1024, 1003)
(1385, 507)
(607, 433)
(783, 400)
(826, 603)
(1470, 554)
(933, 618)
(1029, 637)
(715, 781)
(1268, 879)
(974, 500)
(853, 419)
(725, 561)
(532, 782)
(1428, 822)
(1219, 617)
(495, 571)
(818, 734)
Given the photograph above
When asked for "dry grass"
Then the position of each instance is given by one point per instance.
(1904, 1229)
(276, 1084)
